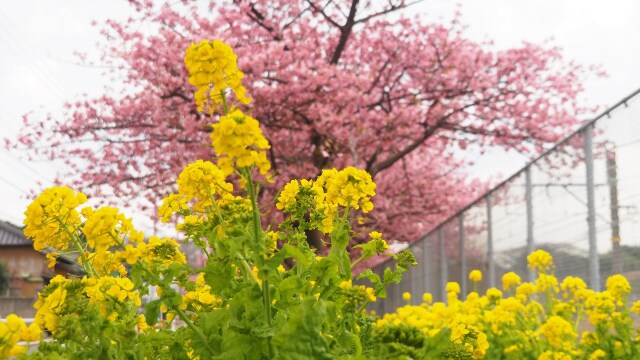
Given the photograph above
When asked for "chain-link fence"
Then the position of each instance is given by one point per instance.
(580, 201)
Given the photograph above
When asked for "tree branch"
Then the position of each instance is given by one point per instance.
(345, 32)
(324, 15)
(390, 9)
(429, 131)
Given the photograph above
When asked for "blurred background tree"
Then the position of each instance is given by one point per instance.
(334, 83)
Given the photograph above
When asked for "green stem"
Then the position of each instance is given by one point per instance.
(76, 243)
(196, 330)
(247, 270)
(183, 316)
(363, 306)
(257, 233)
(578, 318)
(357, 261)
(225, 106)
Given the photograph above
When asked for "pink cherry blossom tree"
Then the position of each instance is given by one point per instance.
(334, 83)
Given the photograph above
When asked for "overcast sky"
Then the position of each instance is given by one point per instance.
(38, 71)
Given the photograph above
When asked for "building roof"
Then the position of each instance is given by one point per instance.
(11, 235)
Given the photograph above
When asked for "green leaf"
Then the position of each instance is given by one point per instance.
(405, 258)
(378, 286)
(325, 272)
(152, 312)
(300, 337)
(369, 249)
(341, 258)
(219, 275)
(434, 346)
(392, 276)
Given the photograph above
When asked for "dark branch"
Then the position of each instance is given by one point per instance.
(345, 32)
(390, 9)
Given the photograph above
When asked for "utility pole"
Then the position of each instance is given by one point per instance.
(612, 180)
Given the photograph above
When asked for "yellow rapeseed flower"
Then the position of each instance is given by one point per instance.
(349, 187)
(106, 227)
(31, 333)
(540, 260)
(546, 282)
(571, 285)
(238, 138)
(510, 280)
(452, 287)
(554, 355)
(598, 354)
(458, 332)
(494, 294)
(482, 345)
(51, 216)
(618, 286)
(475, 275)
(161, 252)
(213, 69)
(288, 195)
(427, 298)
(558, 332)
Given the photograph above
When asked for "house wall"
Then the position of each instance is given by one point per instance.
(19, 306)
(26, 267)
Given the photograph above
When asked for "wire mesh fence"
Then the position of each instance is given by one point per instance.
(580, 201)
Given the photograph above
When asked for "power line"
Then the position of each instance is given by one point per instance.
(26, 166)
(24, 44)
(15, 220)
(12, 185)
(36, 71)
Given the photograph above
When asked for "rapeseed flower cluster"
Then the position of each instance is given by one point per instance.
(52, 216)
(51, 304)
(357, 295)
(475, 275)
(111, 294)
(349, 188)
(239, 143)
(12, 330)
(202, 183)
(106, 245)
(618, 286)
(202, 189)
(244, 303)
(201, 298)
(540, 320)
(558, 332)
(161, 252)
(331, 194)
(540, 261)
(510, 280)
(107, 227)
(571, 285)
(213, 69)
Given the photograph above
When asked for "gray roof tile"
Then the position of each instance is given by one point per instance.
(11, 235)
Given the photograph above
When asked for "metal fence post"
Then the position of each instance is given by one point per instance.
(443, 264)
(529, 201)
(594, 261)
(426, 282)
(413, 281)
(463, 258)
(490, 260)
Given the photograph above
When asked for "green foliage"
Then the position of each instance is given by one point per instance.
(243, 303)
